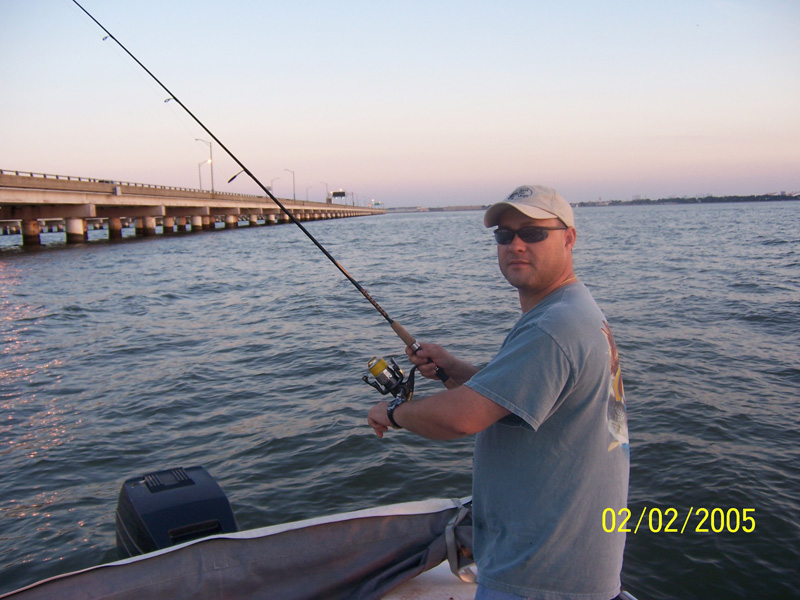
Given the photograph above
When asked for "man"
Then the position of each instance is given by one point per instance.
(551, 451)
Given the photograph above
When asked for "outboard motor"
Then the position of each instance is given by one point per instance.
(166, 508)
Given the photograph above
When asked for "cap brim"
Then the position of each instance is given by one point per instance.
(495, 211)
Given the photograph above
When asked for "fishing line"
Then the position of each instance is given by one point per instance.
(407, 338)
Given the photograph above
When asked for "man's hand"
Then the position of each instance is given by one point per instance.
(430, 356)
(378, 419)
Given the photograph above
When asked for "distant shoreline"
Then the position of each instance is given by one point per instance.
(694, 200)
(412, 209)
(783, 197)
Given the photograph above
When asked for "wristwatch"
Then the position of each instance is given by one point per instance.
(390, 410)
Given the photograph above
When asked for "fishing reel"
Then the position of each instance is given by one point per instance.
(389, 378)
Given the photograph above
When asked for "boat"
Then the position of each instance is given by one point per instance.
(163, 520)
(413, 550)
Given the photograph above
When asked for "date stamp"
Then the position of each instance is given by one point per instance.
(670, 520)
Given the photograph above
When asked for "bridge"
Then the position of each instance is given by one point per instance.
(34, 202)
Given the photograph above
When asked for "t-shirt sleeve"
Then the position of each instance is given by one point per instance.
(529, 376)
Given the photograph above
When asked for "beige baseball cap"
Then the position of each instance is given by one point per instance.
(534, 201)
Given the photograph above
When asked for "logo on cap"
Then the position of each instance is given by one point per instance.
(521, 192)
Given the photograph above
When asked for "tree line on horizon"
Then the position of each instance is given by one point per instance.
(783, 196)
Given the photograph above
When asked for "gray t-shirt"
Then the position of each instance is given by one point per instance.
(544, 475)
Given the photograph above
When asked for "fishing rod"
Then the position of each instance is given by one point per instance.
(401, 332)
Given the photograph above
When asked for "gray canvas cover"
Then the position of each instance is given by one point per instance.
(363, 554)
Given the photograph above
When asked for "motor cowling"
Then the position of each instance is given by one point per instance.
(166, 508)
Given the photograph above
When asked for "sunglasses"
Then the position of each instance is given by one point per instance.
(529, 235)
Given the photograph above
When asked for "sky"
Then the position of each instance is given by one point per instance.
(427, 103)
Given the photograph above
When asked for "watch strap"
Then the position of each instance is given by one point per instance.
(390, 411)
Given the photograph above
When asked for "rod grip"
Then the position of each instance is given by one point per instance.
(401, 332)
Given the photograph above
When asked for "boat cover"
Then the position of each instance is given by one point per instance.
(363, 554)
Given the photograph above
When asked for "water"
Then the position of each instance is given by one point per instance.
(243, 351)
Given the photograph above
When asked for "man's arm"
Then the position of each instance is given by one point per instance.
(450, 414)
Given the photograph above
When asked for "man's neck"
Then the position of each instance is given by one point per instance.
(528, 302)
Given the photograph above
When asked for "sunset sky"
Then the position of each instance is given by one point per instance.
(410, 103)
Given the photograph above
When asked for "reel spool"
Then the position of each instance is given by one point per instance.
(389, 378)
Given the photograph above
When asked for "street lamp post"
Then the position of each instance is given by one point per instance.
(327, 191)
(210, 160)
(294, 196)
(200, 173)
(308, 188)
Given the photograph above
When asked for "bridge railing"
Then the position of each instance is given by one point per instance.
(150, 186)
(115, 182)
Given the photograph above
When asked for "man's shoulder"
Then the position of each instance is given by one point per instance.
(568, 308)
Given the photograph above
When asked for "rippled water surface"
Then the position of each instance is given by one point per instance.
(243, 351)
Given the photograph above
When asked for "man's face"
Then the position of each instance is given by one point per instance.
(535, 269)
